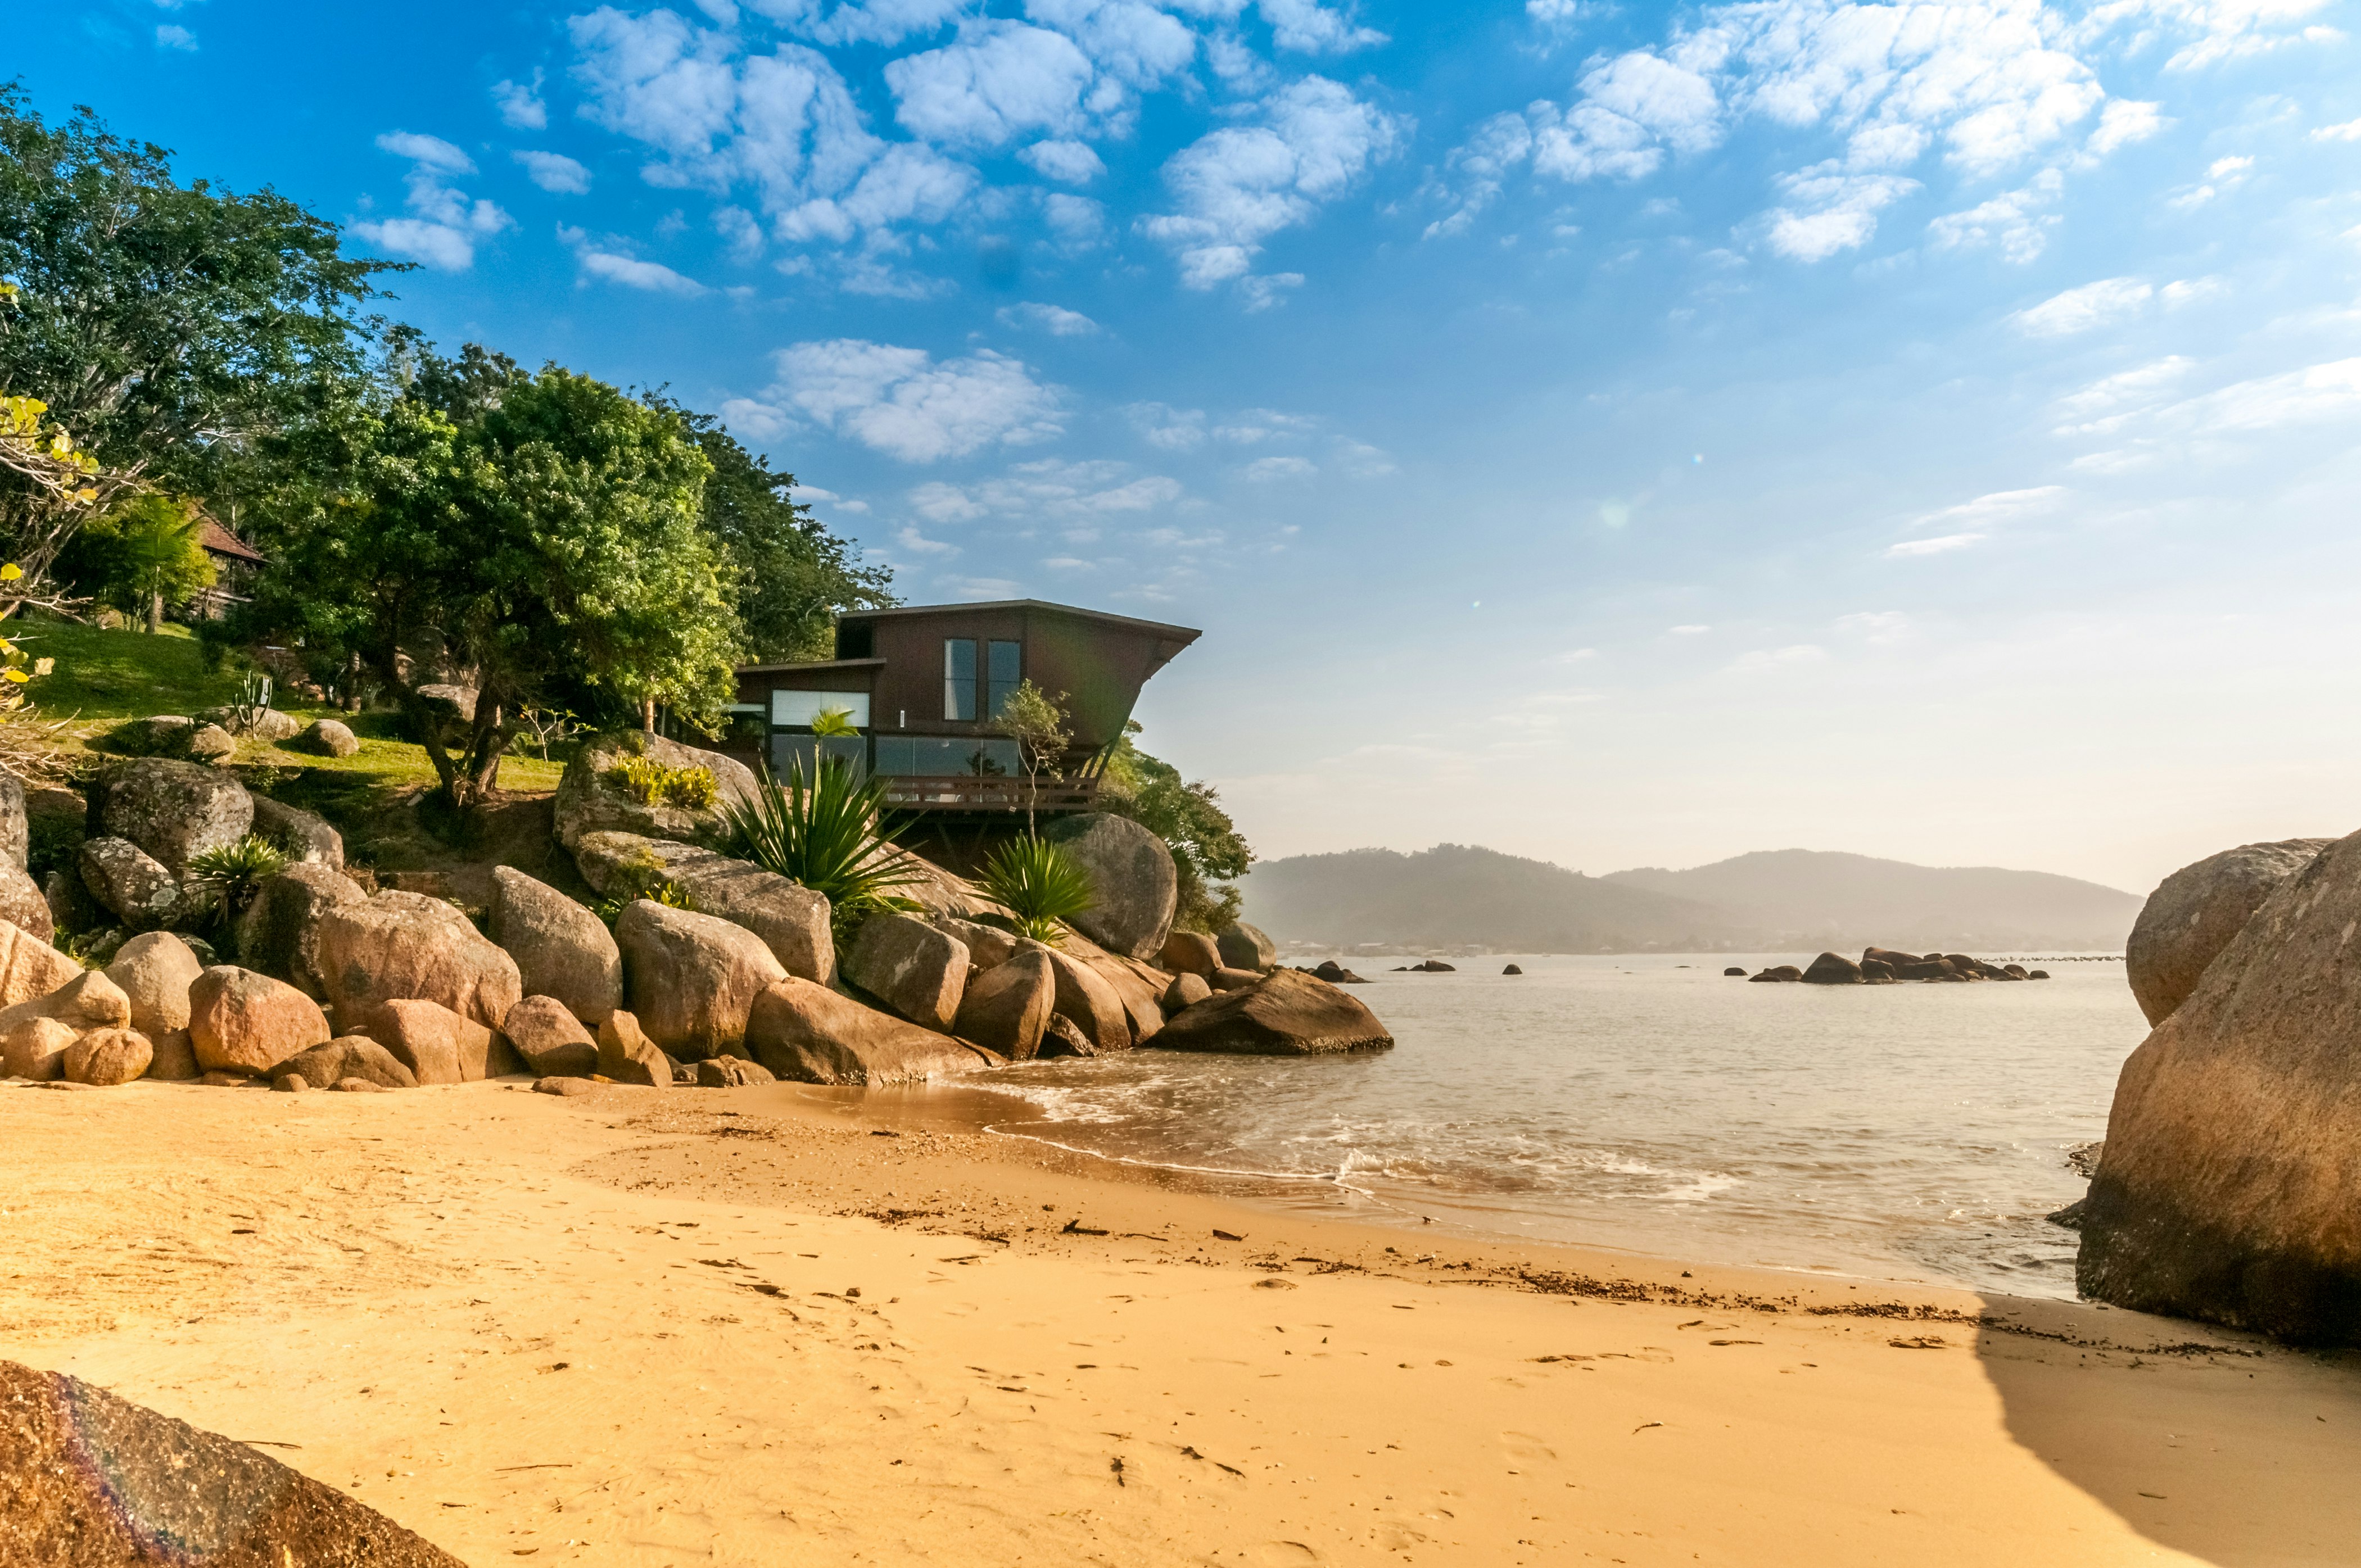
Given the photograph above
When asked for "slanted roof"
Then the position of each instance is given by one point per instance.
(219, 541)
(1162, 628)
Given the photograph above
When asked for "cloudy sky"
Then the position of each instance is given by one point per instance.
(1623, 434)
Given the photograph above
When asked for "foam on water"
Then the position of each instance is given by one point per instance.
(1908, 1130)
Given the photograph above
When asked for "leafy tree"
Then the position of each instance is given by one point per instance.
(142, 557)
(1206, 846)
(1037, 722)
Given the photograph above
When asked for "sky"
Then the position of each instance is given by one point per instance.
(1620, 434)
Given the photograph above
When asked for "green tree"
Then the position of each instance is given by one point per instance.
(142, 557)
(1037, 722)
(1207, 847)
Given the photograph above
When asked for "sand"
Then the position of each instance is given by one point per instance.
(651, 1327)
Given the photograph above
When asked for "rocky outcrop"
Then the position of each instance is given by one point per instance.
(307, 839)
(1062, 1038)
(1778, 973)
(1287, 1013)
(2227, 1185)
(331, 739)
(279, 935)
(1228, 979)
(1135, 888)
(154, 972)
(1186, 991)
(549, 1035)
(1085, 996)
(1832, 969)
(106, 1057)
(1006, 1008)
(172, 810)
(915, 970)
(732, 1072)
(164, 735)
(791, 920)
(988, 946)
(589, 800)
(131, 884)
(22, 903)
(561, 949)
(811, 1035)
(30, 967)
(689, 978)
(334, 1063)
(626, 1054)
(247, 1023)
(2195, 912)
(437, 1044)
(408, 946)
(1192, 952)
(1244, 946)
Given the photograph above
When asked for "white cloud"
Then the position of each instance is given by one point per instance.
(2103, 397)
(1691, 631)
(2012, 223)
(901, 402)
(1482, 164)
(427, 152)
(1077, 220)
(1263, 470)
(1161, 425)
(1574, 656)
(1068, 162)
(1831, 211)
(1133, 44)
(859, 21)
(738, 228)
(2122, 122)
(519, 103)
(2092, 305)
(555, 172)
(634, 274)
(1087, 494)
(756, 422)
(1762, 661)
(1940, 545)
(1055, 320)
(1988, 509)
(171, 35)
(2349, 131)
(1310, 28)
(999, 80)
(2325, 391)
(443, 225)
(2224, 29)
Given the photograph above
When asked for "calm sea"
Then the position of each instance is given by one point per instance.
(1910, 1131)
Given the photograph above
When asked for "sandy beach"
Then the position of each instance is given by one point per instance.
(785, 1325)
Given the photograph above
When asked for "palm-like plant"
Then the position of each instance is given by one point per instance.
(824, 833)
(1039, 885)
(228, 878)
(833, 722)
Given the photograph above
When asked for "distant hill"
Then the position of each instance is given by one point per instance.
(1459, 895)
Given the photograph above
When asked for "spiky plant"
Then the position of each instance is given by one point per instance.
(1039, 885)
(825, 832)
(228, 879)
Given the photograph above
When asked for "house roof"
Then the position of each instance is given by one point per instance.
(1162, 628)
(811, 664)
(220, 540)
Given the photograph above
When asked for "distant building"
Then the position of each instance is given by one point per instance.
(236, 565)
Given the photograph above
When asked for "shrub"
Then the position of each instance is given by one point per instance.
(226, 878)
(650, 782)
(1039, 885)
(826, 835)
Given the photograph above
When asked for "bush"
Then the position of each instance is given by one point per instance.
(824, 835)
(1039, 885)
(650, 782)
(228, 879)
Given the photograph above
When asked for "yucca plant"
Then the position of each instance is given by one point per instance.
(1039, 885)
(228, 879)
(825, 833)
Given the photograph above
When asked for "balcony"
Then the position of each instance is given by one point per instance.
(969, 792)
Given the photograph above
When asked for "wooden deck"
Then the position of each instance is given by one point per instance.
(991, 794)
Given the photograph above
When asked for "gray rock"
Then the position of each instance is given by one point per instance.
(307, 839)
(2195, 912)
(791, 920)
(732, 1072)
(811, 1035)
(561, 949)
(1245, 947)
(589, 801)
(1064, 1037)
(134, 886)
(173, 810)
(331, 739)
(1186, 991)
(71, 908)
(164, 735)
(213, 744)
(16, 831)
(988, 946)
(279, 935)
(1832, 969)
(626, 1054)
(1135, 885)
(551, 1038)
(1287, 1013)
(408, 946)
(22, 903)
(155, 972)
(451, 703)
(269, 725)
(915, 970)
(1006, 1008)
(689, 979)
(348, 1058)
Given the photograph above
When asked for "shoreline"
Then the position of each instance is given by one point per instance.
(650, 1327)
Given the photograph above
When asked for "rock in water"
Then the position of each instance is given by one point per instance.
(155, 971)
(1064, 1037)
(811, 1035)
(1287, 1013)
(248, 1023)
(1733, 971)
(1832, 969)
(589, 801)
(2226, 1191)
(173, 810)
(1006, 1008)
(96, 1482)
(2195, 912)
(689, 978)
(1512, 968)
(1091, 1000)
(279, 935)
(561, 949)
(1134, 888)
(1778, 973)
(1242, 946)
(915, 970)
(408, 946)
(551, 1038)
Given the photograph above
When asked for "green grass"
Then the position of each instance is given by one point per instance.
(114, 675)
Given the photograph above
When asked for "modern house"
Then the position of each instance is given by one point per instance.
(922, 685)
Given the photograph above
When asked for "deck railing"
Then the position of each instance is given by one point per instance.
(993, 793)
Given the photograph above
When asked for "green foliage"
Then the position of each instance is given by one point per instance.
(650, 782)
(1206, 846)
(1037, 722)
(833, 721)
(824, 835)
(226, 878)
(144, 551)
(1039, 885)
(655, 890)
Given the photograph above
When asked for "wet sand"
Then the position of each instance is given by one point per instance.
(651, 1327)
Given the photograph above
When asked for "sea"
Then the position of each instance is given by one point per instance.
(1913, 1131)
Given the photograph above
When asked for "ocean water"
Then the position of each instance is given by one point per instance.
(1646, 1102)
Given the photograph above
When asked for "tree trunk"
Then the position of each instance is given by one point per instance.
(155, 614)
(648, 715)
(489, 741)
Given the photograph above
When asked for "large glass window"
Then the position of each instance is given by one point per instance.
(1003, 669)
(793, 754)
(944, 757)
(959, 678)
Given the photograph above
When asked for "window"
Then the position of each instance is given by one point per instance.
(1002, 671)
(936, 757)
(959, 678)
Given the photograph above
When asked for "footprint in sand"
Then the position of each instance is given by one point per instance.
(1525, 1446)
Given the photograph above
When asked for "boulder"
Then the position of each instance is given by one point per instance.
(626, 1054)
(1832, 969)
(589, 801)
(1779, 972)
(279, 935)
(1937, 968)
(106, 1057)
(155, 971)
(1243, 947)
(269, 725)
(1064, 1037)
(565, 1086)
(988, 946)
(2226, 1187)
(1890, 957)
(549, 1035)
(1512, 968)
(88, 1001)
(732, 1072)
(243, 1022)
(811, 1035)
(172, 810)
(1435, 966)
(94, 1479)
(1136, 984)
(1186, 991)
(331, 739)
(1134, 888)
(287, 1083)
(35, 1048)
(212, 744)
(915, 970)
(130, 883)
(1287, 1013)
(408, 946)
(306, 838)
(1006, 1008)
(1733, 971)
(358, 1086)
(2039, 974)
(164, 735)
(71, 907)
(174, 1057)
(346, 1057)
(562, 950)
(1228, 979)
(30, 967)
(690, 977)
(22, 903)
(1192, 952)
(2195, 912)
(16, 828)
(791, 920)
(437, 1044)
(1085, 996)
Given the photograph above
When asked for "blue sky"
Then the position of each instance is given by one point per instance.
(1620, 434)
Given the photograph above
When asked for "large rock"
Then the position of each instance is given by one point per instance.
(16, 828)
(35, 1048)
(306, 838)
(2195, 912)
(915, 970)
(330, 737)
(988, 946)
(1134, 888)
(279, 935)
(812, 1034)
(155, 971)
(88, 1001)
(175, 1057)
(791, 920)
(1085, 996)
(1138, 986)
(1064, 1037)
(331, 1062)
(1290, 1014)
(247, 1023)
(1185, 992)
(30, 967)
(105, 1058)
(732, 1072)
(2227, 1188)
(435, 1043)
(137, 888)
(96, 1482)
(213, 744)
(549, 1035)
(561, 949)
(408, 946)
(22, 903)
(1245, 947)
(1191, 952)
(689, 979)
(626, 1054)
(1006, 1008)
(589, 801)
(71, 907)
(1832, 969)
(163, 735)
(173, 810)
